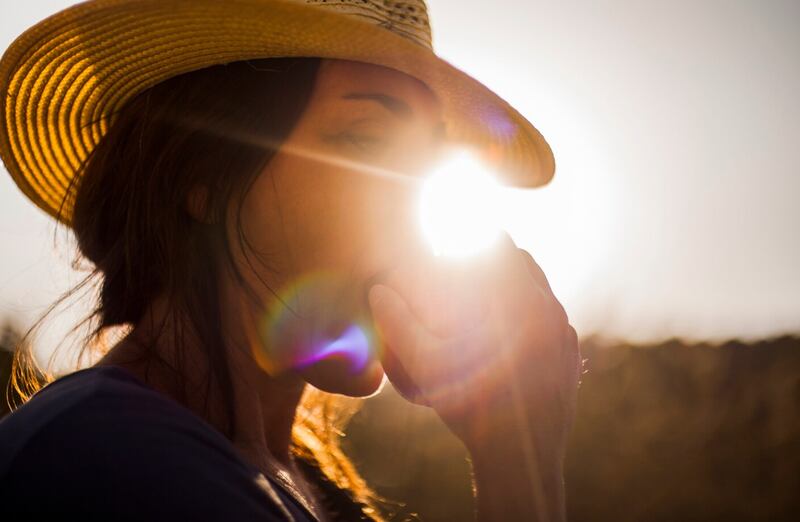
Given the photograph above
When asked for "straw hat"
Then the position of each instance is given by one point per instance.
(63, 79)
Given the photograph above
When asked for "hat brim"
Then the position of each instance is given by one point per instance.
(62, 81)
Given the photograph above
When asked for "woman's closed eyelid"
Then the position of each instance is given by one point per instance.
(364, 140)
(360, 140)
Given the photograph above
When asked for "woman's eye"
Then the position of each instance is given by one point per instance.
(360, 141)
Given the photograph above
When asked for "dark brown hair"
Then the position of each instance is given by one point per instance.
(215, 128)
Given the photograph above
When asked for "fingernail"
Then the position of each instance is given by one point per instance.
(377, 294)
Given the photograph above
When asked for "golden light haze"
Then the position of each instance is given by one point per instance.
(674, 209)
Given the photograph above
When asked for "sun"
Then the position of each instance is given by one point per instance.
(459, 206)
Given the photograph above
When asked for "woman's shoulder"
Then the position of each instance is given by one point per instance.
(79, 392)
(99, 443)
(77, 389)
(88, 404)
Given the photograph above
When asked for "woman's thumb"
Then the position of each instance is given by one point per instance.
(398, 327)
(395, 322)
(390, 312)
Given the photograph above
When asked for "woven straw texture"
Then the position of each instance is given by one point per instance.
(63, 79)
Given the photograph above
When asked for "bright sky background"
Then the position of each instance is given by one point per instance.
(676, 126)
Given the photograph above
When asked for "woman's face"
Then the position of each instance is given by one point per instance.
(332, 212)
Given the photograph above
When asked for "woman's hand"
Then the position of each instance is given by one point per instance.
(486, 344)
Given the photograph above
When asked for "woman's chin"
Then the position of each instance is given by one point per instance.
(336, 375)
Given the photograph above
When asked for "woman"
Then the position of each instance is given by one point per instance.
(250, 222)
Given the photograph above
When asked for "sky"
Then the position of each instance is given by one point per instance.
(675, 126)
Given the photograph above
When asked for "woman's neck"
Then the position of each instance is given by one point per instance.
(166, 353)
(170, 358)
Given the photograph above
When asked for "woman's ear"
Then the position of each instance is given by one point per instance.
(197, 204)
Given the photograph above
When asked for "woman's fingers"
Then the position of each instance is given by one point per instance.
(400, 379)
(420, 359)
(538, 274)
(522, 261)
(396, 320)
(402, 332)
(430, 354)
(514, 269)
(536, 271)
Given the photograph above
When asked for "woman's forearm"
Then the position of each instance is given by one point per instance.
(517, 371)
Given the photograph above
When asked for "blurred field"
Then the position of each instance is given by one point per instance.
(664, 433)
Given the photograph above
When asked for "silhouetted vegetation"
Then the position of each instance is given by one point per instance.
(9, 338)
(669, 432)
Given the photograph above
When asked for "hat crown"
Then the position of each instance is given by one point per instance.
(408, 18)
(64, 80)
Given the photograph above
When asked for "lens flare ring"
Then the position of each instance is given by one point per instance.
(312, 319)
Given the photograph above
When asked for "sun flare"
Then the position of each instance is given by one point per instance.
(460, 207)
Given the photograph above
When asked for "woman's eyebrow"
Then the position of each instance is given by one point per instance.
(397, 106)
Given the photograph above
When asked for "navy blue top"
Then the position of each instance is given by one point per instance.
(99, 444)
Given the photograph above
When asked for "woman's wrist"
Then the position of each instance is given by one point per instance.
(518, 474)
(517, 481)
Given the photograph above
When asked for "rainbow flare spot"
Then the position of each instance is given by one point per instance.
(316, 317)
(352, 345)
